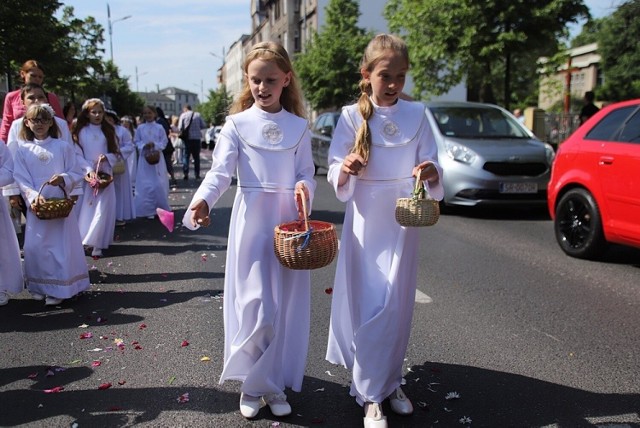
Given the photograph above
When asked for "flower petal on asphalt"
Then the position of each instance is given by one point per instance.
(54, 390)
(104, 386)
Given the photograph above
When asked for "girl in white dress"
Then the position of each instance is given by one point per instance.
(380, 144)
(125, 209)
(97, 139)
(128, 123)
(54, 263)
(152, 186)
(11, 280)
(266, 142)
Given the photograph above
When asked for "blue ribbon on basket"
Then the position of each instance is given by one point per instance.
(307, 238)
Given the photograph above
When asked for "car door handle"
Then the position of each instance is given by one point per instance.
(606, 160)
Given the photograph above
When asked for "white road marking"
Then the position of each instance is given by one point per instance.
(422, 298)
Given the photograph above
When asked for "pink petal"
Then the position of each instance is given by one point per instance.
(32, 375)
(96, 363)
(122, 382)
(142, 326)
(87, 335)
(104, 386)
(166, 218)
(54, 390)
(185, 343)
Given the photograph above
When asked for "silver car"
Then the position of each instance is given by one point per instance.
(487, 156)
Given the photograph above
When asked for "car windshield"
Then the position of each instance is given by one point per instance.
(476, 122)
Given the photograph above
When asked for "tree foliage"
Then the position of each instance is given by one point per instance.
(620, 53)
(484, 43)
(216, 108)
(329, 66)
(68, 48)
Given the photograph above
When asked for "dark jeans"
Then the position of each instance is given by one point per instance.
(191, 148)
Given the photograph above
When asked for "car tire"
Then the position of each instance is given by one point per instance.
(578, 225)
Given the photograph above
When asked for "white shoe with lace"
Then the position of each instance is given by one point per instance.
(4, 298)
(373, 416)
(277, 404)
(249, 405)
(52, 301)
(400, 404)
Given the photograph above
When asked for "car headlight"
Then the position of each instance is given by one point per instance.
(549, 152)
(460, 153)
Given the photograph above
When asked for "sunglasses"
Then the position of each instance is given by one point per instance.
(39, 121)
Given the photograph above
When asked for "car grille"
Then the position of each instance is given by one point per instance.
(529, 169)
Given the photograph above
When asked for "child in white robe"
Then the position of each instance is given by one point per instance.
(98, 141)
(11, 280)
(152, 186)
(125, 209)
(379, 146)
(54, 262)
(266, 142)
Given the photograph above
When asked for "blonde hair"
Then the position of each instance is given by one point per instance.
(44, 111)
(291, 96)
(374, 51)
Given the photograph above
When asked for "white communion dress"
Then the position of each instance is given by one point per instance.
(11, 279)
(375, 281)
(266, 306)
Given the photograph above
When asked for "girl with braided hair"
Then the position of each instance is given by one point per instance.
(379, 146)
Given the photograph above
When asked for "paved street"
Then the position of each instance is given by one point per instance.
(521, 334)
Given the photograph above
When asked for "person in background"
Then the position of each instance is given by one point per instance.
(129, 124)
(55, 268)
(178, 144)
(518, 114)
(193, 123)
(31, 71)
(152, 186)
(70, 113)
(379, 147)
(169, 149)
(266, 306)
(589, 108)
(11, 280)
(125, 209)
(99, 144)
(210, 136)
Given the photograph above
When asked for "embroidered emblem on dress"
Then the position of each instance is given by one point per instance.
(389, 128)
(272, 133)
(44, 157)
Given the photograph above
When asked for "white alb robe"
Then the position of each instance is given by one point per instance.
(11, 280)
(152, 182)
(125, 209)
(266, 306)
(54, 261)
(97, 219)
(375, 281)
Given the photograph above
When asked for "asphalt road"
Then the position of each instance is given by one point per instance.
(523, 335)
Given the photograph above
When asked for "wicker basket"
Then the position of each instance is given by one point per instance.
(305, 244)
(152, 156)
(102, 179)
(52, 208)
(418, 210)
(119, 166)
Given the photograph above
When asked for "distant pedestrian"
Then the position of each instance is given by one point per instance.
(54, 262)
(379, 146)
(178, 144)
(152, 186)
(31, 71)
(518, 115)
(99, 144)
(589, 108)
(266, 306)
(11, 280)
(168, 150)
(191, 123)
(125, 208)
(129, 123)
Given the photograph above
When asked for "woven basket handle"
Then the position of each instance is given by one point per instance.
(42, 187)
(303, 198)
(419, 190)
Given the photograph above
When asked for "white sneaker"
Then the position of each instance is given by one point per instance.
(249, 405)
(4, 298)
(97, 252)
(400, 404)
(373, 416)
(52, 301)
(277, 404)
(37, 296)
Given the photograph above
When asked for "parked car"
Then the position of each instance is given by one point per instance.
(321, 133)
(594, 192)
(488, 157)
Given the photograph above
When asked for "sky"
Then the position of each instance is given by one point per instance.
(181, 43)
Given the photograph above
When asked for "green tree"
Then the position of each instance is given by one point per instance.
(484, 43)
(588, 34)
(620, 53)
(329, 66)
(216, 108)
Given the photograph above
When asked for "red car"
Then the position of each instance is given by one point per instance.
(594, 191)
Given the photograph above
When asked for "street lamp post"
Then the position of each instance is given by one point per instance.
(141, 74)
(111, 28)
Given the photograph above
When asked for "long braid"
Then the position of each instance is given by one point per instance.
(362, 143)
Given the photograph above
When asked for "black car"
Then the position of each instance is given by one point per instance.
(321, 133)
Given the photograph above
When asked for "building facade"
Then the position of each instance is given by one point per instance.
(170, 100)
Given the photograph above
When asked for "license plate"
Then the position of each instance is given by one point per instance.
(518, 188)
